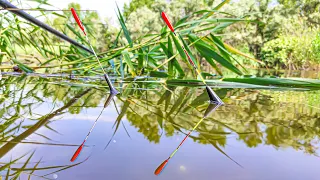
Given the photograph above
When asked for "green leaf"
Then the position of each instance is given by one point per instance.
(219, 149)
(207, 15)
(211, 21)
(75, 32)
(158, 74)
(174, 60)
(221, 47)
(23, 67)
(67, 167)
(206, 51)
(124, 27)
(127, 59)
(223, 51)
(188, 50)
(238, 52)
(140, 59)
(219, 6)
(221, 26)
(60, 15)
(280, 82)
(160, 117)
(179, 48)
(182, 20)
(170, 65)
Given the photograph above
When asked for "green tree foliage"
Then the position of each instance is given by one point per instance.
(282, 34)
(146, 19)
(136, 4)
(316, 46)
(292, 51)
(265, 27)
(102, 33)
(306, 8)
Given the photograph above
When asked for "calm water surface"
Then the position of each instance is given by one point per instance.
(272, 133)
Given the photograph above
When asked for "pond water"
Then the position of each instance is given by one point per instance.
(271, 133)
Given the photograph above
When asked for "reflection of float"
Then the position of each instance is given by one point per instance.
(106, 104)
(215, 101)
(212, 107)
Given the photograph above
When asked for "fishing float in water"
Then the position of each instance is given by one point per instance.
(214, 98)
(212, 107)
(78, 151)
(83, 29)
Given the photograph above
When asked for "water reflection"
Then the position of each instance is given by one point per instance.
(211, 107)
(106, 104)
(32, 108)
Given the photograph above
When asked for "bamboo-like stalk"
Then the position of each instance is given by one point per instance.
(43, 120)
(6, 4)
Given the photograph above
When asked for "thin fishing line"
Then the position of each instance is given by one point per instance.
(95, 122)
(20, 9)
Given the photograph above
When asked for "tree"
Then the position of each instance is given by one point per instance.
(146, 18)
(103, 34)
(306, 8)
(265, 24)
(136, 4)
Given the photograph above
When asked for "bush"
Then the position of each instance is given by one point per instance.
(292, 51)
(316, 47)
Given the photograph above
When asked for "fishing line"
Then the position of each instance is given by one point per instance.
(212, 95)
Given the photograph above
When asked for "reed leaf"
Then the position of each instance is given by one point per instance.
(207, 51)
(124, 27)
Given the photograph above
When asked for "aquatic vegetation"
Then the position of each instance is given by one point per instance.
(145, 53)
(160, 94)
(258, 116)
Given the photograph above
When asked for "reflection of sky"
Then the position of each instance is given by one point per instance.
(136, 158)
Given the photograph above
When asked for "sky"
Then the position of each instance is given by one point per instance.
(105, 8)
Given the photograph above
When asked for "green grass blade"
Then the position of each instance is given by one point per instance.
(211, 21)
(280, 82)
(158, 74)
(188, 49)
(179, 48)
(174, 61)
(23, 67)
(124, 27)
(221, 47)
(219, 6)
(170, 65)
(206, 51)
(128, 61)
(140, 59)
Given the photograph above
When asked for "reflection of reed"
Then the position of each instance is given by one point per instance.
(212, 107)
(106, 104)
(43, 120)
(293, 125)
(286, 121)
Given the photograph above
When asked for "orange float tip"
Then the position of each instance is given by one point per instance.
(76, 17)
(166, 19)
(160, 168)
(76, 154)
